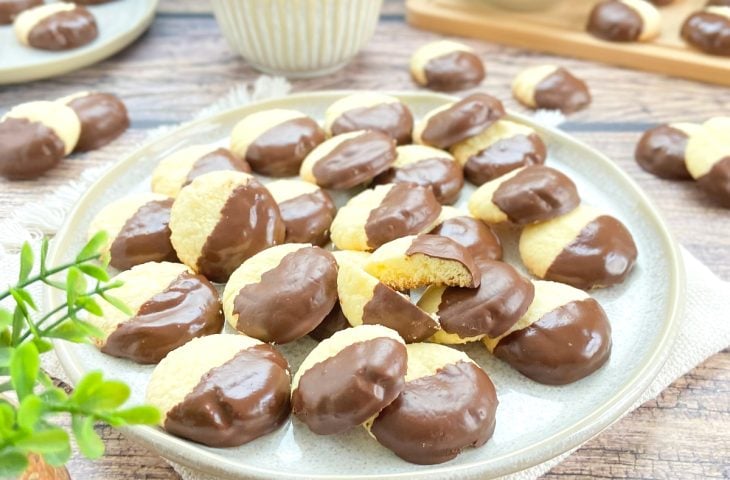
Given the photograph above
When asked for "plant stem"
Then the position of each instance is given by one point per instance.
(48, 273)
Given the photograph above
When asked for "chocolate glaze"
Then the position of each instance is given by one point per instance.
(444, 176)
(308, 218)
(103, 118)
(562, 91)
(332, 323)
(716, 183)
(249, 222)
(145, 237)
(394, 119)
(439, 415)
(504, 156)
(661, 152)
(280, 151)
(465, 118)
(601, 255)
(708, 32)
(217, 160)
(405, 210)
(719, 3)
(501, 299)
(615, 21)
(476, 236)
(64, 30)
(345, 390)
(457, 70)
(388, 308)
(9, 9)
(662, 3)
(189, 307)
(28, 149)
(291, 299)
(565, 345)
(536, 194)
(243, 399)
(355, 161)
(441, 247)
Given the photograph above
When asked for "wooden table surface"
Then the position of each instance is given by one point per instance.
(183, 64)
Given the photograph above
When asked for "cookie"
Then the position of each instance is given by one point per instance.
(584, 248)
(661, 150)
(474, 235)
(552, 88)
(428, 167)
(708, 159)
(564, 336)
(332, 323)
(9, 9)
(370, 111)
(447, 66)
(531, 194)
(103, 118)
(170, 305)
(56, 26)
(624, 21)
(348, 378)
(448, 404)
(306, 209)
(450, 124)
(709, 30)
(221, 219)
(138, 229)
(275, 142)
(221, 390)
(377, 216)
(503, 147)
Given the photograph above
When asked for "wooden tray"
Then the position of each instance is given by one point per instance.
(561, 29)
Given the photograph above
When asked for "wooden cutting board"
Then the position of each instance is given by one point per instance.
(561, 29)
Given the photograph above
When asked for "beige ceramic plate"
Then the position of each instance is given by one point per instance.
(534, 422)
(120, 23)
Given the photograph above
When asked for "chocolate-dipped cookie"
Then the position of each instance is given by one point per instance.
(306, 209)
(584, 248)
(138, 229)
(275, 142)
(448, 404)
(332, 323)
(103, 118)
(348, 378)
(474, 235)
(56, 26)
(428, 167)
(503, 147)
(370, 111)
(531, 194)
(709, 30)
(221, 390)
(450, 124)
(221, 219)
(552, 88)
(564, 336)
(34, 137)
(170, 306)
(447, 66)
(708, 159)
(661, 150)
(377, 216)
(624, 21)
(9, 9)
(281, 293)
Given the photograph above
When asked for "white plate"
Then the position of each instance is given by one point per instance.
(120, 23)
(534, 422)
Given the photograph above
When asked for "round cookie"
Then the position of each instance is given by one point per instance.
(450, 124)
(221, 219)
(9, 9)
(103, 118)
(428, 167)
(170, 305)
(709, 30)
(661, 150)
(384, 213)
(564, 336)
(332, 323)
(348, 378)
(503, 147)
(281, 293)
(275, 142)
(306, 209)
(56, 26)
(474, 235)
(708, 159)
(447, 66)
(448, 404)
(551, 87)
(531, 194)
(584, 248)
(138, 229)
(221, 390)
(349, 160)
(624, 21)
(370, 111)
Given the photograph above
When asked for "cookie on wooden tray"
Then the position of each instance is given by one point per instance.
(624, 21)
(447, 66)
(370, 111)
(473, 234)
(306, 209)
(552, 88)
(56, 26)
(9, 9)
(708, 159)
(103, 118)
(709, 30)
(661, 150)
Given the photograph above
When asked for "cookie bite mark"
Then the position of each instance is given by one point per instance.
(103, 118)
(661, 150)
(473, 234)
(447, 66)
(624, 21)
(9, 9)
(708, 154)
(709, 30)
(56, 26)
(307, 211)
(552, 88)
(370, 111)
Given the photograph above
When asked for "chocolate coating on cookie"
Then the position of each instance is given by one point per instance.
(56, 26)
(474, 235)
(220, 159)
(615, 21)
(370, 111)
(103, 118)
(280, 151)
(716, 182)
(332, 323)
(9, 9)
(28, 149)
(562, 91)
(447, 66)
(307, 211)
(718, 3)
(442, 247)
(661, 151)
(709, 30)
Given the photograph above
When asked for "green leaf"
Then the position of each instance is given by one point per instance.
(94, 271)
(24, 366)
(53, 440)
(86, 387)
(54, 395)
(29, 412)
(88, 440)
(42, 345)
(140, 415)
(59, 458)
(76, 331)
(44, 254)
(117, 303)
(106, 395)
(12, 463)
(6, 318)
(26, 262)
(93, 248)
(7, 416)
(5, 354)
(75, 285)
(90, 305)
(22, 297)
